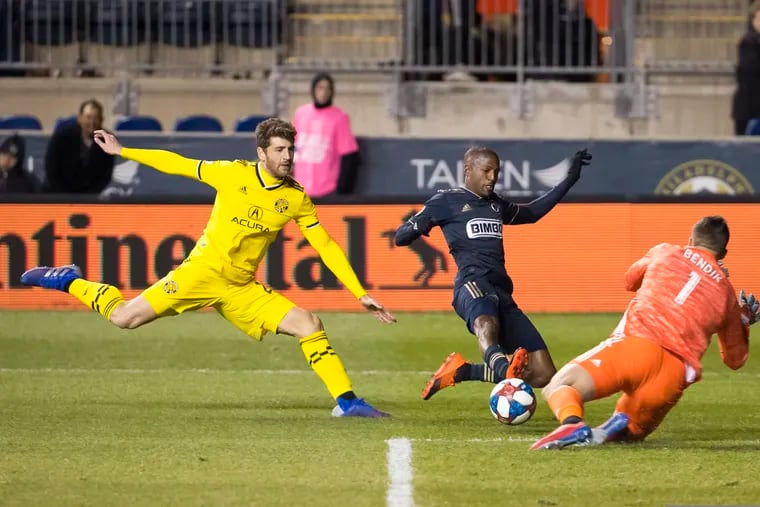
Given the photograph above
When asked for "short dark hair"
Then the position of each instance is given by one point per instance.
(712, 233)
(479, 151)
(274, 127)
(91, 102)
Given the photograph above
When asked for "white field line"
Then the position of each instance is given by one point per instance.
(400, 493)
(400, 472)
(475, 440)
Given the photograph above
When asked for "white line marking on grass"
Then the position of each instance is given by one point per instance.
(476, 440)
(400, 473)
(199, 370)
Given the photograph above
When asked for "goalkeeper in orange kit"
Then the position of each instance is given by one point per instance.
(683, 297)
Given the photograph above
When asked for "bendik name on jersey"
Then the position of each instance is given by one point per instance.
(484, 228)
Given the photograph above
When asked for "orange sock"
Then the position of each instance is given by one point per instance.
(566, 402)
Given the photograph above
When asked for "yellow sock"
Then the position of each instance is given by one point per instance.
(101, 297)
(565, 402)
(325, 363)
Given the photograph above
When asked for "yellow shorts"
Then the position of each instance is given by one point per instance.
(252, 307)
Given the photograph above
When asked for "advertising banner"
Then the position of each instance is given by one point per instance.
(420, 167)
(573, 260)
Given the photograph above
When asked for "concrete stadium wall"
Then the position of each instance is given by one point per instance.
(477, 110)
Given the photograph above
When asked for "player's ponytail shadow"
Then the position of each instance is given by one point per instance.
(431, 258)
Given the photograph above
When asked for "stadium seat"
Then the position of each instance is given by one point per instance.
(198, 123)
(64, 120)
(753, 127)
(20, 122)
(138, 123)
(248, 123)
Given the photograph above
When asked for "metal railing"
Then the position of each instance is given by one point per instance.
(582, 40)
(683, 36)
(176, 37)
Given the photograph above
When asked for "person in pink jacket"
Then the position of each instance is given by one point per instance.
(327, 155)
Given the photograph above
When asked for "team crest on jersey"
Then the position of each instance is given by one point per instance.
(496, 207)
(281, 205)
(704, 177)
(255, 213)
(170, 287)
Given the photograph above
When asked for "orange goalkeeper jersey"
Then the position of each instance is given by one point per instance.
(683, 297)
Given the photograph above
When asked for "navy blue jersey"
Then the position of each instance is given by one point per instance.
(472, 226)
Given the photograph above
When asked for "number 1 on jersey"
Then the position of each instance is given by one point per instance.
(688, 288)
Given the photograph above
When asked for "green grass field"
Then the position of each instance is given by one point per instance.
(188, 411)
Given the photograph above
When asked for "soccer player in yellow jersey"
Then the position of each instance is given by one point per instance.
(254, 201)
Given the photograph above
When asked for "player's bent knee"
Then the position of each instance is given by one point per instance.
(130, 315)
(299, 322)
(540, 379)
(561, 378)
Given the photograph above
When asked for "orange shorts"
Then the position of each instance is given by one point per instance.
(651, 378)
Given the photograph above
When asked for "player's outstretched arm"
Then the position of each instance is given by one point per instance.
(733, 336)
(411, 230)
(335, 259)
(538, 208)
(165, 161)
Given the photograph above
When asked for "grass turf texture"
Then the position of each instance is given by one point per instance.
(188, 411)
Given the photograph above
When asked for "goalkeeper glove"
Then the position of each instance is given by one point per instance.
(750, 308)
(580, 159)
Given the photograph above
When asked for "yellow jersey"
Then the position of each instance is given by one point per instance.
(250, 209)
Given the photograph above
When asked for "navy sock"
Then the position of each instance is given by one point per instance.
(497, 362)
(474, 372)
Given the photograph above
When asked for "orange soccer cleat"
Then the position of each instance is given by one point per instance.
(518, 364)
(444, 375)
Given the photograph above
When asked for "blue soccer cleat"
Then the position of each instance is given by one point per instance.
(52, 278)
(356, 408)
(611, 430)
(567, 434)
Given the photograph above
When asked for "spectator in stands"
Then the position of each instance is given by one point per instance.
(561, 34)
(327, 156)
(746, 104)
(13, 177)
(74, 164)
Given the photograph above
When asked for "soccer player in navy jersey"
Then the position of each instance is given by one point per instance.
(471, 218)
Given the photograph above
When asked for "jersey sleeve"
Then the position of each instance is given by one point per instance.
(733, 336)
(306, 216)
(509, 211)
(635, 273)
(213, 173)
(328, 249)
(433, 212)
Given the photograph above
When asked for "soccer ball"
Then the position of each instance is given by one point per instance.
(512, 401)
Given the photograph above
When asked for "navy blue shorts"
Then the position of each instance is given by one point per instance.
(479, 297)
